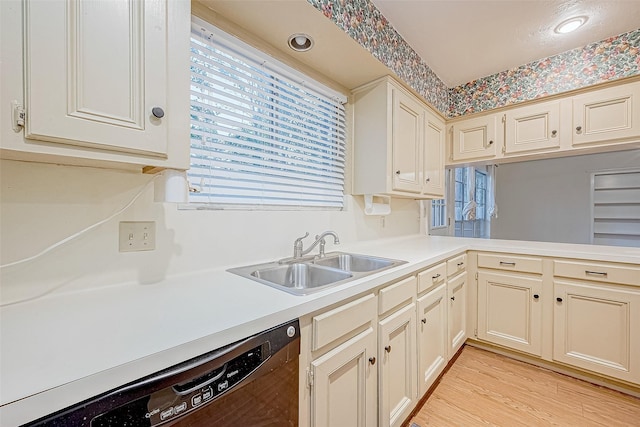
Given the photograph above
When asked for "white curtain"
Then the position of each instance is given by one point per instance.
(492, 207)
(469, 209)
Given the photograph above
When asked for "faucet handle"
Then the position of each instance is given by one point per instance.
(299, 239)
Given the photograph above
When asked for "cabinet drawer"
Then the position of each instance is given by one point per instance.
(432, 277)
(336, 323)
(600, 272)
(397, 294)
(522, 264)
(456, 265)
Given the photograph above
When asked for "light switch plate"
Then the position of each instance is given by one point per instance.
(137, 236)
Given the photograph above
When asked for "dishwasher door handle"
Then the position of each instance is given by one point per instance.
(202, 384)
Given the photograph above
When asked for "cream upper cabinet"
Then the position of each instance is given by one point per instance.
(104, 80)
(432, 337)
(407, 129)
(398, 143)
(531, 128)
(434, 154)
(607, 115)
(476, 138)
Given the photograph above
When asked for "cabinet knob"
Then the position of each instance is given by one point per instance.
(372, 360)
(397, 172)
(157, 112)
(578, 129)
(491, 142)
(427, 180)
(424, 321)
(554, 133)
(559, 299)
(388, 349)
(453, 298)
(536, 296)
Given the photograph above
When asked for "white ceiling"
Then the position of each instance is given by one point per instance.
(462, 40)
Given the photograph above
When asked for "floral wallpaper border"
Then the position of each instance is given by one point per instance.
(364, 23)
(609, 59)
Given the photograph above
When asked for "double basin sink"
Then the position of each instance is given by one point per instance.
(306, 275)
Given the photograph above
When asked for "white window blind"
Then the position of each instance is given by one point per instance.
(262, 134)
(616, 208)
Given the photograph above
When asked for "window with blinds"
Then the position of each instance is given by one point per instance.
(616, 208)
(262, 134)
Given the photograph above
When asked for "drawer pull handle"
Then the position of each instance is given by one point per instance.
(460, 264)
(512, 264)
(436, 276)
(559, 299)
(372, 360)
(388, 349)
(424, 321)
(536, 296)
(595, 273)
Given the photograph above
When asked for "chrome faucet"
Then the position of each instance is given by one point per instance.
(299, 252)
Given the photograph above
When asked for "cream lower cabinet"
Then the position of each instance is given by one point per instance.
(457, 313)
(510, 311)
(597, 327)
(396, 351)
(339, 362)
(344, 384)
(432, 337)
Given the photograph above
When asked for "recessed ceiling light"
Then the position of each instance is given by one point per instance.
(571, 24)
(300, 42)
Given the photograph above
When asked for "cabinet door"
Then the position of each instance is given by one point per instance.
(407, 142)
(434, 146)
(532, 128)
(344, 384)
(475, 138)
(457, 325)
(397, 366)
(432, 337)
(510, 311)
(598, 328)
(607, 114)
(95, 70)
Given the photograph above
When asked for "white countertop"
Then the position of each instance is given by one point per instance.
(61, 349)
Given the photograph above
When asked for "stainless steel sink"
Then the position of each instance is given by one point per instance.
(353, 262)
(301, 276)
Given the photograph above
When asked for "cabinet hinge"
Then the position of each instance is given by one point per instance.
(309, 378)
(504, 118)
(475, 332)
(476, 275)
(18, 116)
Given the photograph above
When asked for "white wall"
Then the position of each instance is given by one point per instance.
(41, 204)
(549, 200)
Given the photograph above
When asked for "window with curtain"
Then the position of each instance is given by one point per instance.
(472, 210)
(262, 134)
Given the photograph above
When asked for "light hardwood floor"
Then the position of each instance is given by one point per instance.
(487, 389)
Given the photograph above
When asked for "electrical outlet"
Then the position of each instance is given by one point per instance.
(137, 236)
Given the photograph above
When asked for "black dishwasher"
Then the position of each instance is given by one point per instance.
(253, 382)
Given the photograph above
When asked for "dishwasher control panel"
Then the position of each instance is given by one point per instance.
(172, 402)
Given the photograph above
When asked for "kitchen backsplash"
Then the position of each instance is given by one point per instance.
(606, 60)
